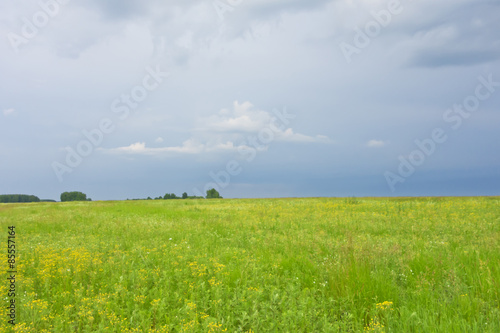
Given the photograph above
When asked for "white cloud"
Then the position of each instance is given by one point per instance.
(289, 136)
(228, 131)
(8, 112)
(139, 148)
(190, 146)
(243, 118)
(376, 143)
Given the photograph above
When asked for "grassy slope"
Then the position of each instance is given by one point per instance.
(296, 265)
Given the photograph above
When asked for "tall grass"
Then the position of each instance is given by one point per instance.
(273, 265)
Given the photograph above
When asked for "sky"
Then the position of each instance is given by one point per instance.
(265, 98)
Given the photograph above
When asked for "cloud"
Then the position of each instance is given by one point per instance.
(8, 112)
(186, 26)
(376, 143)
(229, 130)
(468, 38)
(289, 136)
(122, 9)
(190, 146)
(244, 118)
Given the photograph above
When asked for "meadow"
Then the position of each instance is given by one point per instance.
(268, 265)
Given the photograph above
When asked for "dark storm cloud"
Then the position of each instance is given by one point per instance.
(466, 36)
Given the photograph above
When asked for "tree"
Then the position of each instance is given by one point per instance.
(184, 195)
(8, 198)
(170, 196)
(74, 196)
(213, 194)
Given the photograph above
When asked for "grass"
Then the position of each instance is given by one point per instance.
(273, 265)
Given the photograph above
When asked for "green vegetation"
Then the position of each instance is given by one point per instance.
(11, 198)
(74, 196)
(213, 194)
(274, 265)
(170, 196)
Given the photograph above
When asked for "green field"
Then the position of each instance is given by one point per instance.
(270, 265)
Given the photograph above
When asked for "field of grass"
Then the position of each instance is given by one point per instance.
(272, 265)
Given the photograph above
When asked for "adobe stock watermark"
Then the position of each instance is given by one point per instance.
(39, 20)
(371, 30)
(222, 7)
(121, 107)
(454, 117)
(247, 151)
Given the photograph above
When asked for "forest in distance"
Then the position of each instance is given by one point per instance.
(13, 198)
(79, 196)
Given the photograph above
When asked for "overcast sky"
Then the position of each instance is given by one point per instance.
(264, 98)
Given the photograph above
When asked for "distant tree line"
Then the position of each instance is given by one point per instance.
(74, 196)
(211, 194)
(79, 196)
(11, 198)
